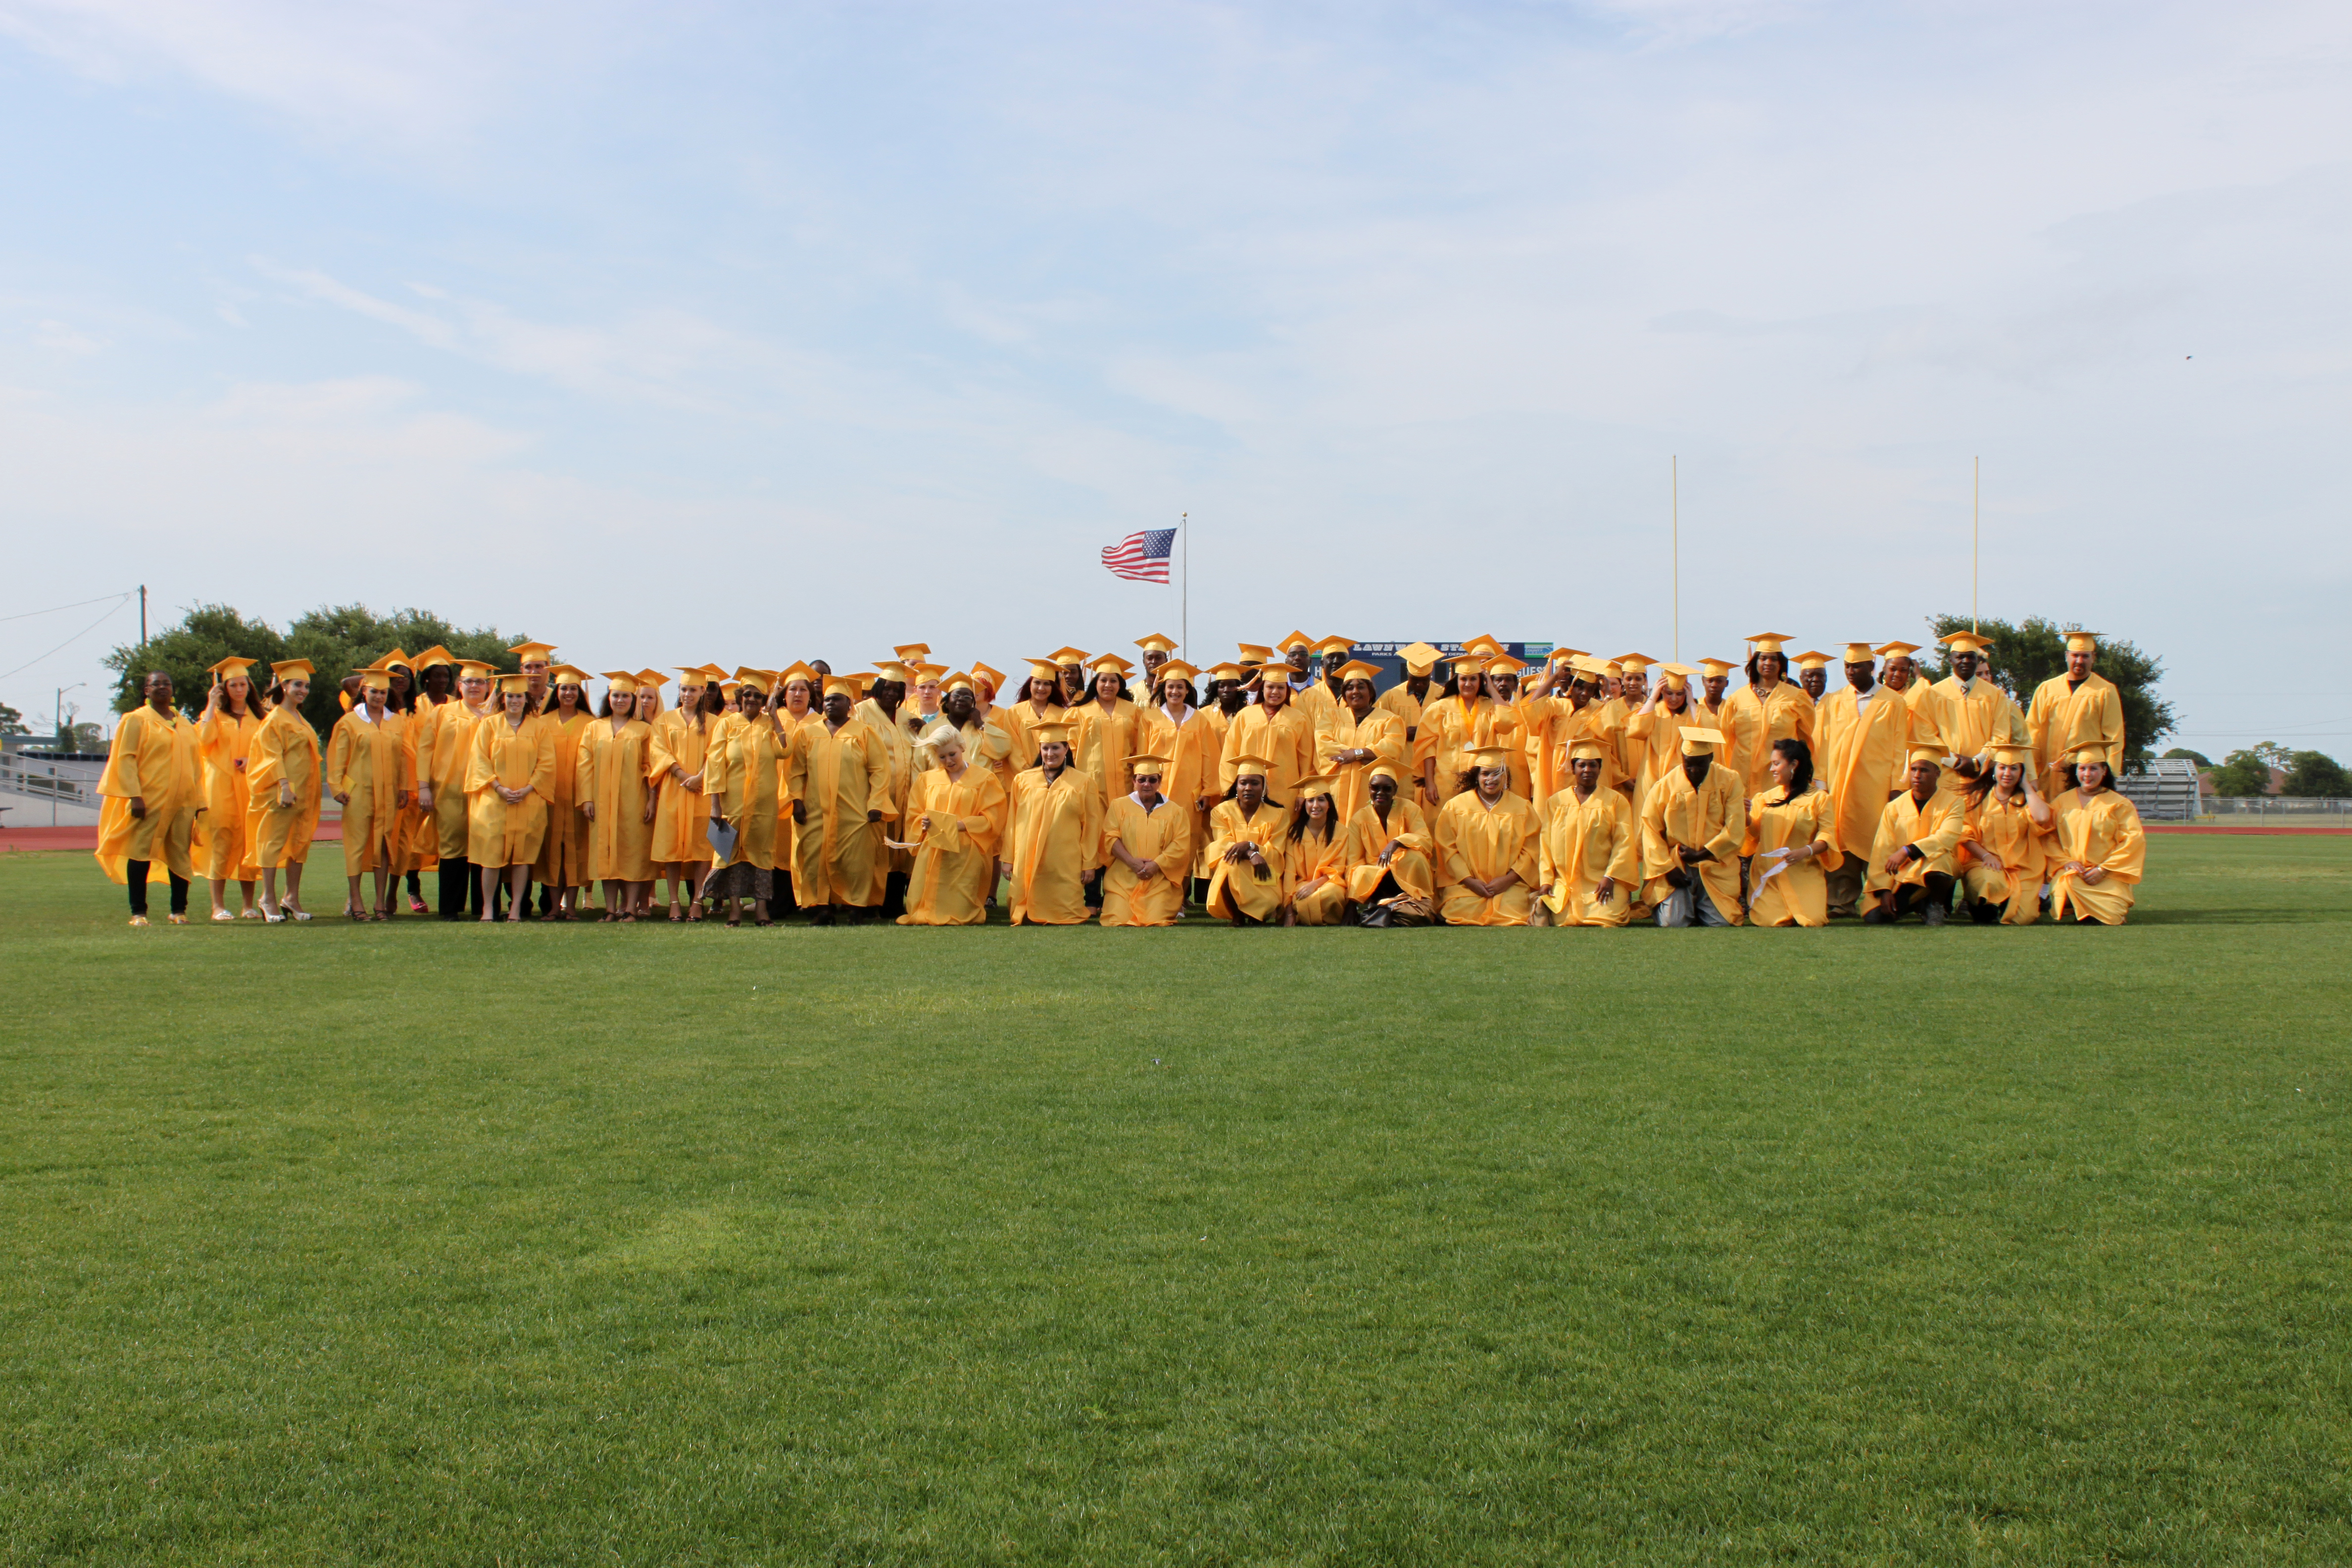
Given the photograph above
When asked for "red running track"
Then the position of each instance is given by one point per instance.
(86, 838)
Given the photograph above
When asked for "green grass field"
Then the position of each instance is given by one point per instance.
(664, 1245)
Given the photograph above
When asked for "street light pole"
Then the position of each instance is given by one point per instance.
(58, 714)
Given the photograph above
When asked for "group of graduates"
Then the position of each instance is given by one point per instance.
(1285, 787)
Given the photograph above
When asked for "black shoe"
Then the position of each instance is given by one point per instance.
(1878, 918)
(821, 917)
(1985, 912)
(1932, 915)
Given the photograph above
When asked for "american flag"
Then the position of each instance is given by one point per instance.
(1142, 557)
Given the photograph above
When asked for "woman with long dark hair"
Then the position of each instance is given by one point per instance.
(1790, 844)
(232, 717)
(2101, 849)
(1463, 717)
(1039, 703)
(282, 778)
(2003, 855)
(617, 800)
(1770, 707)
(1315, 857)
(507, 786)
(562, 863)
(676, 753)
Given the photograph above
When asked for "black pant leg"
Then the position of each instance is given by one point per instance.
(134, 874)
(179, 894)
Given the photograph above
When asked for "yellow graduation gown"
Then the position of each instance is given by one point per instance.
(1970, 719)
(418, 837)
(498, 834)
(1400, 701)
(1164, 837)
(1286, 739)
(1194, 750)
(2003, 855)
(1379, 732)
(1411, 863)
(445, 754)
(1237, 890)
(1753, 721)
(1713, 817)
(285, 752)
(1447, 725)
(840, 776)
(1307, 859)
(1652, 748)
(223, 743)
(902, 779)
(748, 768)
(1782, 891)
(1861, 745)
(2101, 830)
(2063, 717)
(612, 768)
(1934, 828)
(1056, 832)
(1474, 839)
(956, 867)
(1541, 730)
(152, 757)
(1022, 720)
(680, 741)
(1106, 738)
(1583, 841)
(563, 853)
(370, 762)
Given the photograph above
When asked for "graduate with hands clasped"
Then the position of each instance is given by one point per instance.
(1245, 853)
(508, 784)
(1589, 850)
(152, 792)
(1148, 849)
(1056, 832)
(368, 761)
(232, 717)
(1486, 846)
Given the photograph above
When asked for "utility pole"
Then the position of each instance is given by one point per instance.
(142, 617)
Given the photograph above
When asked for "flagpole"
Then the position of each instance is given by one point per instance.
(1184, 590)
(1976, 544)
(1674, 480)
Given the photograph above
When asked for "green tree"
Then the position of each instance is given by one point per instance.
(87, 740)
(12, 722)
(337, 639)
(2028, 652)
(2248, 771)
(2315, 775)
(2183, 754)
(187, 652)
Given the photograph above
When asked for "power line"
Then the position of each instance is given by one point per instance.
(53, 609)
(93, 626)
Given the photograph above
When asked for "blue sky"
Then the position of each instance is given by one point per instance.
(748, 333)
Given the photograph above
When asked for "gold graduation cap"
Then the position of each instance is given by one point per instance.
(653, 678)
(1296, 639)
(1335, 645)
(432, 656)
(1768, 642)
(475, 670)
(1318, 784)
(1898, 650)
(1700, 741)
(1068, 656)
(995, 676)
(1634, 663)
(1050, 734)
(1861, 653)
(1717, 666)
(1420, 659)
(1587, 750)
(234, 665)
(1157, 642)
(533, 652)
(620, 681)
(1177, 669)
(1251, 765)
(514, 686)
(1358, 669)
(1811, 658)
(1487, 756)
(758, 680)
(1677, 677)
(1150, 763)
(2084, 642)
(912, 652)
(374, 679)
(1965, 642)
(1110, 661)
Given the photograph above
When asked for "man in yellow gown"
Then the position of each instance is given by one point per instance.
(879, 712)
(444, 751)
(151, 792)
(1589, 859)
(1693, 824)
(1862, 731)
(1912, 861)
(1973, 712)
(2079, 708)
(1406, 698)
(1147, 851)
(840, 790)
